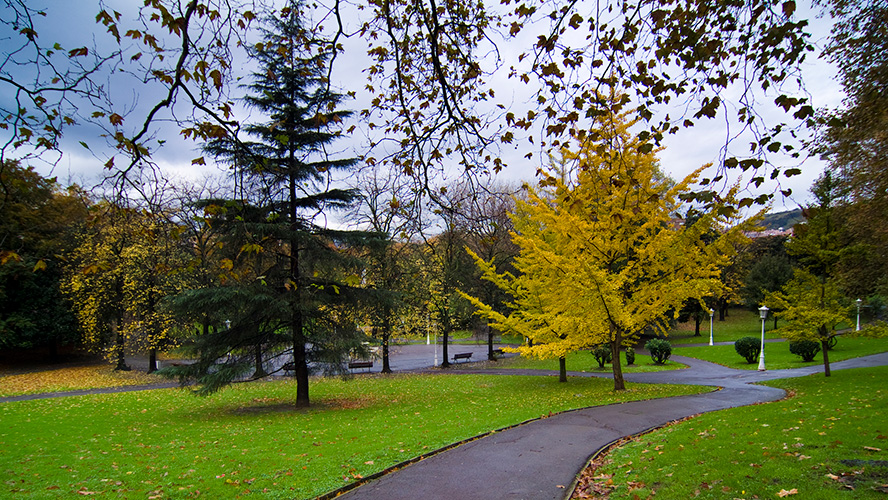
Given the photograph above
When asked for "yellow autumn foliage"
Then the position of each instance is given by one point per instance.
(603, 253)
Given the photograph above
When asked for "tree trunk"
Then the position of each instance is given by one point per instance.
(445, 363)
(696, 325)
(119, 347)
(824, 345)
(299, 342)
(386, 335)
(260, 370)
(775, 321)
(617, 368)
(562, 369)
(152, 360)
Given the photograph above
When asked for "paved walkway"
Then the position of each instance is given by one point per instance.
(540, 460)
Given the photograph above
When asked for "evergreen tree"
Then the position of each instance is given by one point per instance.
(38, 222)
(299, 282)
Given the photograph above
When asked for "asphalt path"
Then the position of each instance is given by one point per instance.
(540, 460)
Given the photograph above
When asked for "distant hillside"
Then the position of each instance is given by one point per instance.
(783, 220)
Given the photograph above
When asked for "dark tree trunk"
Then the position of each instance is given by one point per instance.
(775, 321)
(696, 325)
(386, 335)
(722, 310)
(617, 368)
(446, 336)
(152, 360)
(824, 345)
(260, 370)
(562, 369)
(300, 364)
(119, 352)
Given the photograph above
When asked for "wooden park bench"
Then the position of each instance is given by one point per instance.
(360, 364)
(289, 366)
(497, 353)
(462, 355)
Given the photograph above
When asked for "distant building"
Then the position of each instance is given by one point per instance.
(769, 232)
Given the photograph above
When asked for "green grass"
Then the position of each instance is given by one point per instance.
(250, 439)
(738, 323)
(778, 357)
(758, 451)
(583, 362)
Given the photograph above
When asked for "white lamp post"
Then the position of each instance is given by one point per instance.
(711, 312)
(763, 313)
(858, 314)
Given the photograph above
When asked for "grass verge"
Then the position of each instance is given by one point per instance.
(778, 357)
(826, 441)
(581, 362)
(250, 439)
(738, 323)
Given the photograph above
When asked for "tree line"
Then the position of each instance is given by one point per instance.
(254, 270)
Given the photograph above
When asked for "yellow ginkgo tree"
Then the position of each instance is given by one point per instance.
(604, 252)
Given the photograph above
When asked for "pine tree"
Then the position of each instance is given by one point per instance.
(288, 273)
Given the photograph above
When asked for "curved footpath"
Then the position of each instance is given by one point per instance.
(540, 460)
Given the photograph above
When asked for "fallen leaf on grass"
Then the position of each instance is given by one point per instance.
(785, 493)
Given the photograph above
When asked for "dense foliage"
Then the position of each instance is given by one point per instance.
(806, 349)
(749, 348)
(660, 350)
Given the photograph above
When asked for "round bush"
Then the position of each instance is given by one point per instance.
(749, 348)
(660, 350)
(630, 356)
(602, 353)
(807, 349)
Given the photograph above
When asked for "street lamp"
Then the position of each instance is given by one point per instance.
(711, 312)
(858, 314)
(763, 313)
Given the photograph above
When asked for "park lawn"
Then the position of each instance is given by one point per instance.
(583, 361)
(738, 323)
(795, 446)
(778, 357)
(249, 439)
(71, 377)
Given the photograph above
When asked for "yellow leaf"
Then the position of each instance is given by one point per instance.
(785, 493)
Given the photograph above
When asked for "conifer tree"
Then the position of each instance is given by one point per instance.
(298, 281)
(603, 255)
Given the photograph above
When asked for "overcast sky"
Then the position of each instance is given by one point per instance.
(684, 152)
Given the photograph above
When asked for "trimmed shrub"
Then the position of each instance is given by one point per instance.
(630, 356)
(749, 348)
(660, 350)
(602, 353)
(807, 349)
